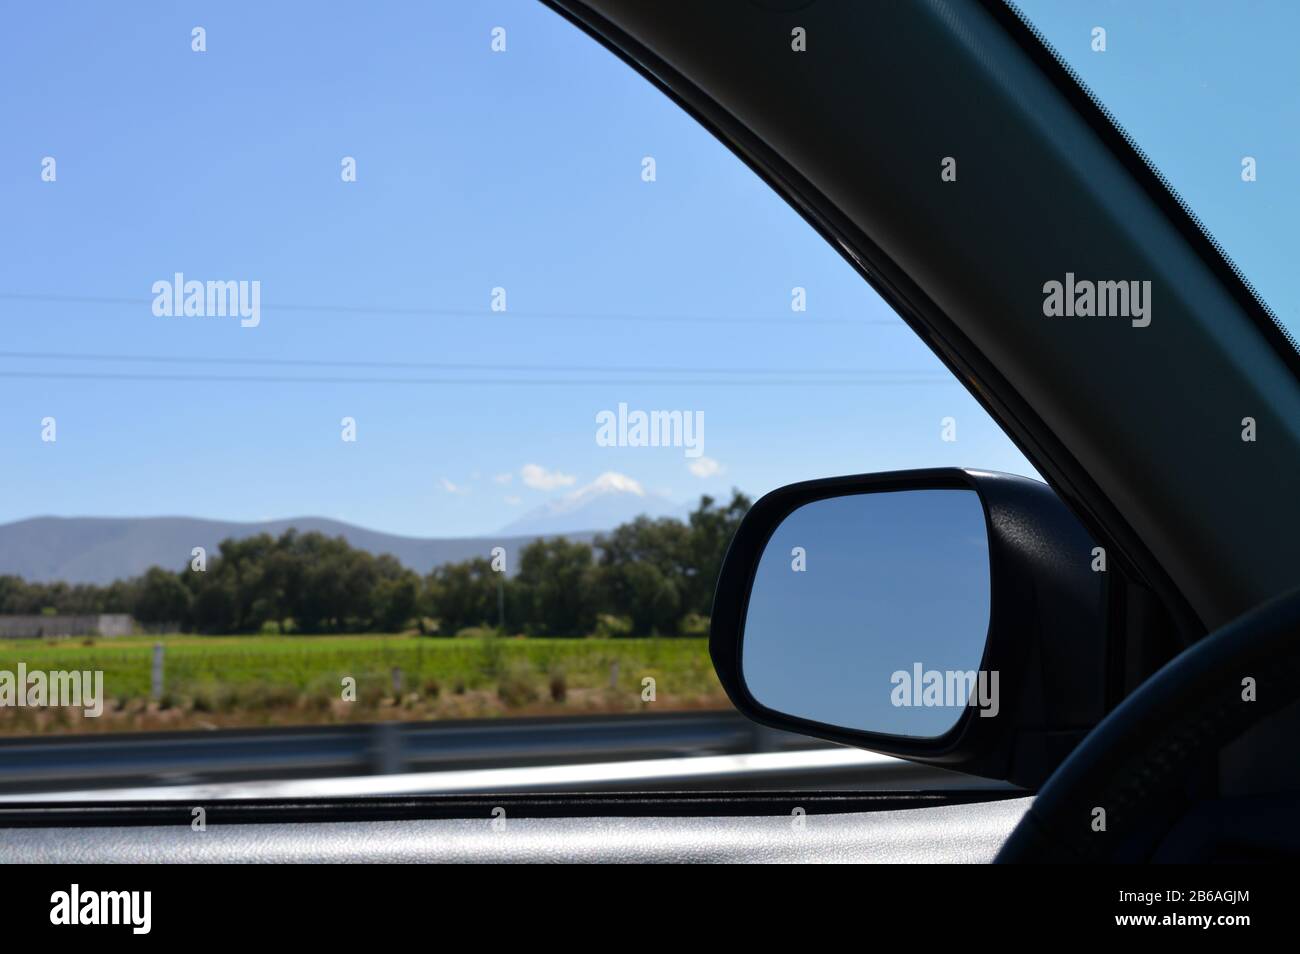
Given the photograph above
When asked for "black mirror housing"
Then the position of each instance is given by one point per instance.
(1047, 631)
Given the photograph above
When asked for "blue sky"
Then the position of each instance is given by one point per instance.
(475, 169)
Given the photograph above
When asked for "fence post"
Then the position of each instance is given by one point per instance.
(156, 681)
(501, 602)
(386, 755)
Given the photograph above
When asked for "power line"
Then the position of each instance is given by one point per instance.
(400, 311)
(503, 382)
(451, 366)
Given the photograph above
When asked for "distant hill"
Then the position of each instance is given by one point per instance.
(103, 549)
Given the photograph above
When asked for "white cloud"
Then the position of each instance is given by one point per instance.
(503, 478)
(539, 478)
(451, 488)
(514, 501)
(705, 467)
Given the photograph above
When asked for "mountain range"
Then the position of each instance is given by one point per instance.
(102, 549)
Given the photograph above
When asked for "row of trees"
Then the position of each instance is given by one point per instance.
(647, 577)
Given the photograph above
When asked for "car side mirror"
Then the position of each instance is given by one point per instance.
(949, 616)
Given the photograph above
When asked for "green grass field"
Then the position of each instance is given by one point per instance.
(217, 681)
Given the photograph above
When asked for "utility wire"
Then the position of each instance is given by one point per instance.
(506, 382)
(452, 366)
(792, 320)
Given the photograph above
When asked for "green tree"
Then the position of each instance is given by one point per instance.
(395, 597)
(161, 598)
(644, 569)
(460, 595)
(557, 588)
(711, 530)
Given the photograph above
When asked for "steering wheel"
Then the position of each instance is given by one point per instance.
(1128, 783)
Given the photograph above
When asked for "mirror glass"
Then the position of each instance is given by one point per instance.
(871, 612)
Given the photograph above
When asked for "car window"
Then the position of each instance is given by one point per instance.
(399, 366)
(1206, 91)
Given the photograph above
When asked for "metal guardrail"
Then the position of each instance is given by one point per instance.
(35, 764)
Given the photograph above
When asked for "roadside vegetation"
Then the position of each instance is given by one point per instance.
(229, 681)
